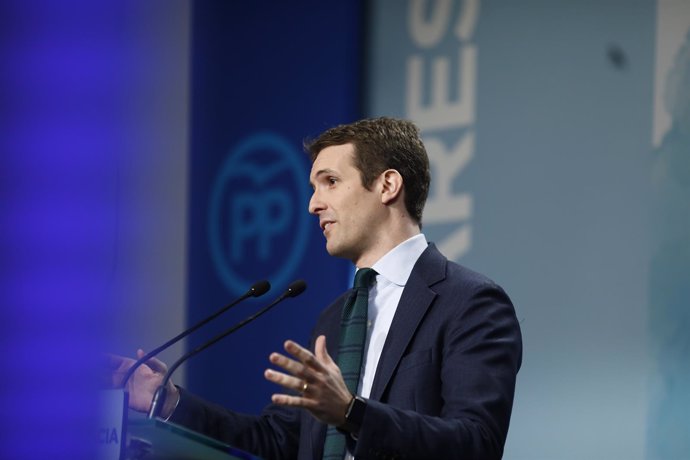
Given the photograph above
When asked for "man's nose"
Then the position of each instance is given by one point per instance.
(315, 204)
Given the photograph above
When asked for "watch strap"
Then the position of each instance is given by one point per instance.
(354, 415)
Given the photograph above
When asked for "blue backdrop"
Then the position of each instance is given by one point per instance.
(261, 84)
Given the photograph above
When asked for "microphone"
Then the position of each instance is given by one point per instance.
(258, 289)
(293, 290)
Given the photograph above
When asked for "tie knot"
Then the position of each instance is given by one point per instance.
(364, 277)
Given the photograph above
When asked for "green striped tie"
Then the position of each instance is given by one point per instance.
(353, 334)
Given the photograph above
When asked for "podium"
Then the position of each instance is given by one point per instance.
(156, 439)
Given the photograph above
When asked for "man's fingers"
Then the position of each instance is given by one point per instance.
(321, 351)
(304, 355)
(287, 400)
(157, 365)
(284, 380)
(290, 365)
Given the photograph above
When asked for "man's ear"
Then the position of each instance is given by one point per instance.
(391, 185)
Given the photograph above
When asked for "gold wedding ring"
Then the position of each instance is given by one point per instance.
(305, 385)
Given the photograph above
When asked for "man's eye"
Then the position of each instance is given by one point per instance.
(331, 180)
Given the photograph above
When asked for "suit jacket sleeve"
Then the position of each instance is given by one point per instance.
(274, 434)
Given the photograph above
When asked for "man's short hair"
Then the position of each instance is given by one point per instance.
(381, 144)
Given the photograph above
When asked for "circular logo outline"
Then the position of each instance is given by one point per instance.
(269, 141)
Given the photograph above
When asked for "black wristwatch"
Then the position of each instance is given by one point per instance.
(354, 415)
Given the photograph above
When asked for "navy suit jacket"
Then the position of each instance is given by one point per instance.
(443, 388)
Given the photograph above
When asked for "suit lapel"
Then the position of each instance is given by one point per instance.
(329, 325)
(414, 303)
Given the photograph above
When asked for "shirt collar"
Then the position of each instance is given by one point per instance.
(396, 265)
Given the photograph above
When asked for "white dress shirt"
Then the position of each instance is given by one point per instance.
(393, 270)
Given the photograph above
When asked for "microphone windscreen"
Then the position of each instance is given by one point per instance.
(260, 288)
(296, 288)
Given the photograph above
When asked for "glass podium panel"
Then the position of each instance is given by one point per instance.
(156, 439)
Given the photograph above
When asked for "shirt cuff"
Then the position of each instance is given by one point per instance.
(179, 396)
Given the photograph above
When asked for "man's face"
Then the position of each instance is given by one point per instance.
(349, 214)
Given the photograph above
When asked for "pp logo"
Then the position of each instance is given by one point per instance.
(258, 220)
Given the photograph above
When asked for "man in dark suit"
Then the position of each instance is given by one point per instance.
(442, 346)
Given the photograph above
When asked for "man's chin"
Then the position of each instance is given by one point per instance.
(335, 250)
(332, 250)
(341, 252)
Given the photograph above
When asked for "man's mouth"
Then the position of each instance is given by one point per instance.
(325, 225)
